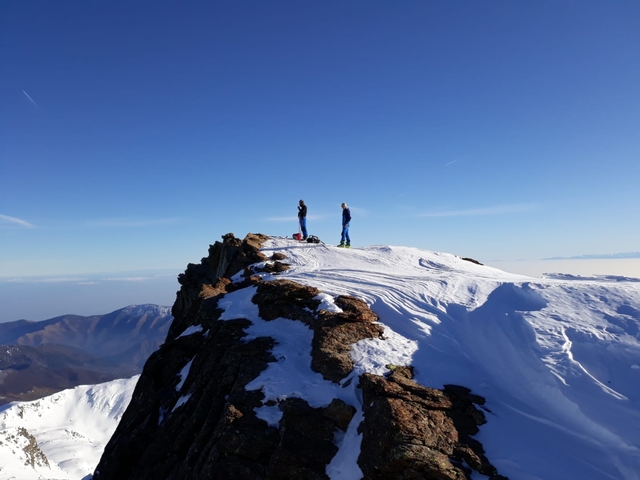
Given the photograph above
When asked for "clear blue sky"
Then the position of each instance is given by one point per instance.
(134, 134)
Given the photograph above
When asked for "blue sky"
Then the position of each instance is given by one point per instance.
(134, 134)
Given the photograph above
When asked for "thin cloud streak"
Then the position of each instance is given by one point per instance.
(46, 280)
(30, 99)
(497, 210)
(17, 221)
(128, 279)
(456, 160)
(95, 278)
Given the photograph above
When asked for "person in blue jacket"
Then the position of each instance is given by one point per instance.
(346, 218)
(302, 218)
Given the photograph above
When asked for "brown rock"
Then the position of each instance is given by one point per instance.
(340, 412)
(274, 267)
(334, 333)
(412, 431)
(286, 299)
(409, 431)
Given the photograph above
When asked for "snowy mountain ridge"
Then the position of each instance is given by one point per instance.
(556, 358)
(147, 309)
(61, 436)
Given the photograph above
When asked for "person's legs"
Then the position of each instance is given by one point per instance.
(346, 236)
(303, 227)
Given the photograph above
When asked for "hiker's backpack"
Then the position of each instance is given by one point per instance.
(313, 239)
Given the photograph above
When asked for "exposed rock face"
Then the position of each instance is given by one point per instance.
(192, 417)
(334, 334)
(21, 440)
(419, 432)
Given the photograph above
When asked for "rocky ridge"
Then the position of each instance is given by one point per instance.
(192, 417)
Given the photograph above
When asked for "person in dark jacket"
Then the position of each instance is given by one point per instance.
(302, 218)
(346, 218)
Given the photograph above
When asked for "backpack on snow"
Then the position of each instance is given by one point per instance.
(313, 239)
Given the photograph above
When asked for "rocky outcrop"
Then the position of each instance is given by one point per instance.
(191, 415)
(20, 439)
(420, 432)
(335, 333)
(471, 260)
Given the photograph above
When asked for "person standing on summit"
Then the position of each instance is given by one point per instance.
(302, 218)
(346, 218)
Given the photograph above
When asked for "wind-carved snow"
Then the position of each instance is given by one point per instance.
(557, 359)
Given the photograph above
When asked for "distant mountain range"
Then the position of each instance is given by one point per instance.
(598, 256)
(40, 358)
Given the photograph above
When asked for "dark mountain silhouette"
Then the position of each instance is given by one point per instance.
(40, 358)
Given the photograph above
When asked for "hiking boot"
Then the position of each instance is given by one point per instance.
(341, 244)
(304, 238)
(348, 245)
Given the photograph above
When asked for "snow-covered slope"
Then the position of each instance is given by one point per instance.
(70, 427)
(558, 359)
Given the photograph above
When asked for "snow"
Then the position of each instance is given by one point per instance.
(181, 401)
(71, 427)
(556, 358)
(183, 374)
(191, 330)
